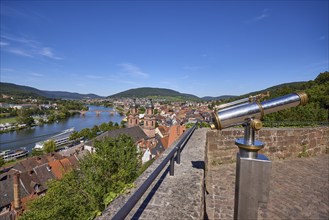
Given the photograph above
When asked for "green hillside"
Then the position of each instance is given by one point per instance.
(19, 91)
(147, 92)
(222, 97)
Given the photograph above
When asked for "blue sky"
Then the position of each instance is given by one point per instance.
(205, 48)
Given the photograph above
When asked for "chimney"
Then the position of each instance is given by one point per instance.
(17, 200)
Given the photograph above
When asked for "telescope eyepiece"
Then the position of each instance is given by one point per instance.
(303, 98)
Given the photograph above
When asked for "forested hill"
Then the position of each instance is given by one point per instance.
(20, 91)
(222, 97)
(11, 89)
(152, 92)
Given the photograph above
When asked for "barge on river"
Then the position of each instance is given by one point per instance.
(13, 154)
(59, 139)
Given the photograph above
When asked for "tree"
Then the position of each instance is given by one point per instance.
(123, 124)
(49, 146)
(104, 127)
(85, 133)
(75, 135)
(322, 78)
(83, 193)
(2, 161)
(37, 152)
(25, 117)
(65, 199)
(141, 110)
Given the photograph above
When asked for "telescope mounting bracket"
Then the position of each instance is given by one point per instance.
(248, 146)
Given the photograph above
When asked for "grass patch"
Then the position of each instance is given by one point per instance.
(304, 152)
(8, 120)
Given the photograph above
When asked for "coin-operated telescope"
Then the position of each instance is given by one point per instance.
(249, 112)
(252, 169)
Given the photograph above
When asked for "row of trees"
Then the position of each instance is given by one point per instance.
(83, 193)
(89, 133)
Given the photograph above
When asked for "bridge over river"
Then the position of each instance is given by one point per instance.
(98, 112)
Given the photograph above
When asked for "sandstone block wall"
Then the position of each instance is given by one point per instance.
(280, 143)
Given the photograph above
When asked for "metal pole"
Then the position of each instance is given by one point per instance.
(178, 154)
(172, 166)
(252, 174)
(251, 186)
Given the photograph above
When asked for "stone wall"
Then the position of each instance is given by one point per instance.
(280, 143)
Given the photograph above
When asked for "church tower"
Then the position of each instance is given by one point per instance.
(149, 119)
(133, 118)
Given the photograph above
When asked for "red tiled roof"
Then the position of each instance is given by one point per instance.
(57, 169)
(174, 133)
(66, 164)
(74, 161)
(164, 141)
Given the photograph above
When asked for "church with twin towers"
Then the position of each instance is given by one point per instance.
(149, 118)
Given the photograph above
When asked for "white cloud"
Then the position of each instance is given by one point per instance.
(263, 15)
(129, 82)
(37, 74)
(193, 68)
(94, 77)
(81, 84)
(132, 70)
(47, 52)
(20, 52)
(22, 40)
(6, 70)
(322, 38)
(22, 46)
(2, 44)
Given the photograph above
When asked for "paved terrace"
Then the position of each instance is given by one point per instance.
(299, 189)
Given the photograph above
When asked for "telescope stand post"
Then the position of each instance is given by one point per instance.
(252, 181)
(252, 185)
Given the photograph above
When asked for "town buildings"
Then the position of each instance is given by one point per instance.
(28, 179)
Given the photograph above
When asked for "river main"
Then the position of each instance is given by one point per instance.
(28, 137)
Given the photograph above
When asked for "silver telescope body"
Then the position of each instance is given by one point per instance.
(239, 114)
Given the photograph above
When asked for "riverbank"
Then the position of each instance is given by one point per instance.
(28, 137)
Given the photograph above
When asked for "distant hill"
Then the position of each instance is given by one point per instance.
(20, 91)
(70, 95)
(292, 86)
(11, 89)
(223, 97)
(152, 92)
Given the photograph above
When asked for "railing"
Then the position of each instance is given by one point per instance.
(124, 211)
